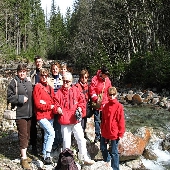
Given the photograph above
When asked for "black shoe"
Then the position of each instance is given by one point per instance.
(48, 161)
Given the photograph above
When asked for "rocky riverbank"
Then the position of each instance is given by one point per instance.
(133, 147)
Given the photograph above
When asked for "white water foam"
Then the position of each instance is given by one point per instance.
(163, 158)
(152, 165)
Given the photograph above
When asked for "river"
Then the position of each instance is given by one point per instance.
(150, 116)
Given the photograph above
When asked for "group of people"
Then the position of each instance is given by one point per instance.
(51, 100)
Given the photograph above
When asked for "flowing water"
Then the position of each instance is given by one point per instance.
(150, 116)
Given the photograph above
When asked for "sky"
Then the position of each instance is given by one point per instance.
(63, 4)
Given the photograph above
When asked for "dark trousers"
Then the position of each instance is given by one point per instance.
(33, 131)
(113, 155)
(83, 123)
(97, 120)
(23, 127)
(58, 140)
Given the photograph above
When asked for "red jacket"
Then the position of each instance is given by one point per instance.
(69, 100)
(84, 88)
(113, 121)
(43, 110)
(97, 85)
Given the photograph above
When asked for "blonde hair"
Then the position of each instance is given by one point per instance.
(112, 90)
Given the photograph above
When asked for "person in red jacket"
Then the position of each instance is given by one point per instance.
(112, 128)
(99, 86)
(83, 86)
(43, 95)
(71, 107)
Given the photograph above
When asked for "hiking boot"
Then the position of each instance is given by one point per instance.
(48, 161)
(89, 162)
(29, 160)
(25, 165)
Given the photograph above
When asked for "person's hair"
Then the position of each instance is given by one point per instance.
(55, 64)
(83, 72)
(105, 70)
(63, 65)
(43, 71)
(68, 74)
(112, 90)
(37, 57)
(22, 67)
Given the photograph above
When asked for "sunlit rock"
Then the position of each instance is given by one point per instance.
(132, 146)
(136, 99)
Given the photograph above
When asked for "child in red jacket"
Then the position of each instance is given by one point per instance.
(112, 128)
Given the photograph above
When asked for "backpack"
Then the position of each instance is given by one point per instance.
(66, 161)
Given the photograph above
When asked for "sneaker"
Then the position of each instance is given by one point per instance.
(25, 165)
(48, 161)
(89, 162)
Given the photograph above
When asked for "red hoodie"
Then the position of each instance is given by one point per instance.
(69, 100)
(113, 121)
(97, 85)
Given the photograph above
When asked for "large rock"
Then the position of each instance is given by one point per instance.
(136, 99)
(132, 146)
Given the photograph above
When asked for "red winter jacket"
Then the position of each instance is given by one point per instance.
(43, 110)
(69, 100)
(84, 88)
(113, 121)
(96, 87)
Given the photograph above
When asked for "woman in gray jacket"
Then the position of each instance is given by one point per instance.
(19, 94)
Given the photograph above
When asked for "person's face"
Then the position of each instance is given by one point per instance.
(63, 70)
(84, 79)
(39, 63)
(67, 81)
(43, 78)
(104, 76)
(55, 70)
(22, 74)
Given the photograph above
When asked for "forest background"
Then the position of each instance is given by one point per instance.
(132, 38)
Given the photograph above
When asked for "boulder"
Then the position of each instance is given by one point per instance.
(136, 99)
(132, 146)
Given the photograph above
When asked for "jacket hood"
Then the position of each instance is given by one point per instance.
(99, 75)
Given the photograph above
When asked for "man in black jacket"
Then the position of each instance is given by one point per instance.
(35, 78)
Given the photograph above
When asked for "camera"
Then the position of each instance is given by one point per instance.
(78, 115)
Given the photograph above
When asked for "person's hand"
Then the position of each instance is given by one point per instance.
(94, 99)
(59, 110)
(25, 99)
(52, 106)
(80, 109)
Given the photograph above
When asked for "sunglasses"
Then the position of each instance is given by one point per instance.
(42, 75)
(66, 81)
(111, 94)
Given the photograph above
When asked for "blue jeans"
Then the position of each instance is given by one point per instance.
(49, 134)
(97, 123)
(113, 155)
(58, 140)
